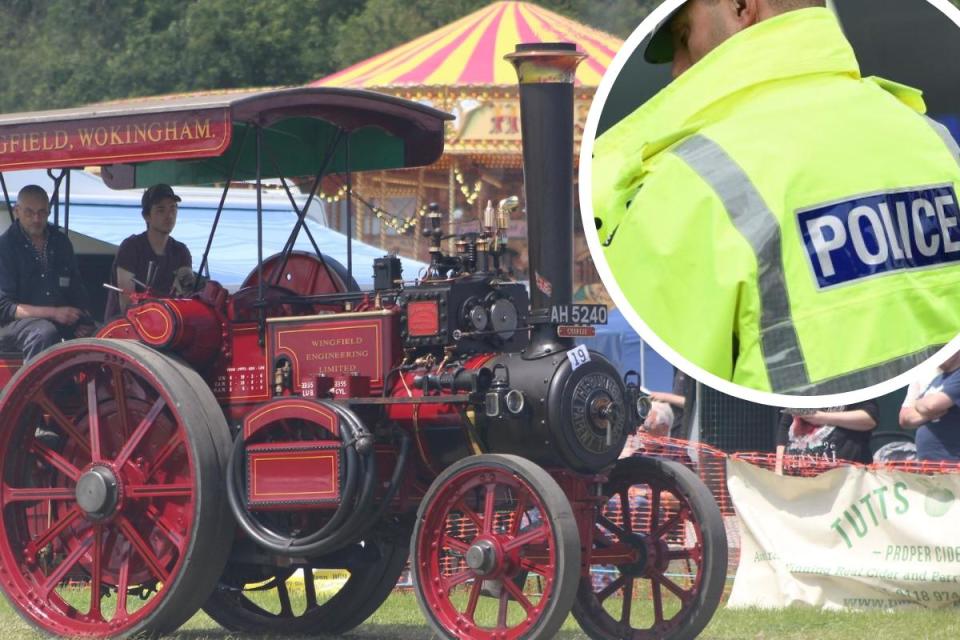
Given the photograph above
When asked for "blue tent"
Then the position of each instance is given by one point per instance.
(111, 216)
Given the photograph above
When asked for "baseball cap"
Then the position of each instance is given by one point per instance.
(660, 48)
(155, 194)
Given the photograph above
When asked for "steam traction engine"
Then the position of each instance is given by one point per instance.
(215, 450)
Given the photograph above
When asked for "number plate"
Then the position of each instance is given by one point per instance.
(578, 314)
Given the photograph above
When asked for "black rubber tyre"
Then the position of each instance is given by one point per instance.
(371, 581)
(548, 547)
(697, 512)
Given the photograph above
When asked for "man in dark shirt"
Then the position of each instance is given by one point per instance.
(935, 413)
(153, 260)
(42, 297)
(834, 434)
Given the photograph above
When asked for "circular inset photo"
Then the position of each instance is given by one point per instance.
(774, 188)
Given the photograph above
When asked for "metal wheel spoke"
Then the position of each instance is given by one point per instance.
(120, 397)
(682, 554)
(611, 588)
(34, 494)
(164, 454)
(177, 490)
(475, 590)
(488, 502)
(517, 515)
(165, 527)
(139, 433)
(65, 424)
(469, 514)
(533, 567)
(96, 574)
(457, 579)
(612, 527)
(673, 587)
(122, 585)
(627, 602)
(153, 562)
(67, 565)
(55, 530)
(654, 507)
(518, 595)
(285, 608)
(56, 460)
(309, 589)
(657, 601)
(502, 609)
(668, 524)
(625, 514)
(538, 534)
(93, 420)
(452, 543)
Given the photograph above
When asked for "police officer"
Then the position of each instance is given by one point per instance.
(774, 217)
(42, 297)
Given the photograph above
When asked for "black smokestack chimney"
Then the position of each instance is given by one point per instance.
(546, 72)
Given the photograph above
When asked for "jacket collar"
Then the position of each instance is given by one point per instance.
(790, 45)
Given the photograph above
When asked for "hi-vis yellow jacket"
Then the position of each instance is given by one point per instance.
(782, 222)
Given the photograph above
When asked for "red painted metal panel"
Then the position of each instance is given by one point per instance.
(8, 367)
(423, 318)
(302, 475)
(365, 344)
(131, 138)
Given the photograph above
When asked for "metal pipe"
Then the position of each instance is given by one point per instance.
(66, 206)
(349, 214)
(261, 316)
(223, 199)
(6, 197)
(546, 72)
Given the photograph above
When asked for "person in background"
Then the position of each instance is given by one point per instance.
(931, 407)
(42, 297)
(835, 434)
(154, 260)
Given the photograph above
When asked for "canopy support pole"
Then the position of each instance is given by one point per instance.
(349, 214)
(302, 213)
(66, 206)
(55, 197)
(223, 199)
(6, 197)
(261, 309)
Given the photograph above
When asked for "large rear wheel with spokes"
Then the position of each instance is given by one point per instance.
(659, 558)
(112, 510)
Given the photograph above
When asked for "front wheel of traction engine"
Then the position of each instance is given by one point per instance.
(496, 551)
(659, 558)
(112, 503)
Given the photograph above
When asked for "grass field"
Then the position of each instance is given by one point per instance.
(400, 619)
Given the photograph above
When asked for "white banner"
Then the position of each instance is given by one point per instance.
(846, 539)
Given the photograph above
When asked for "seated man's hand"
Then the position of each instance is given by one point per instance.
(85, 330)
(184, 281)
(67, 316)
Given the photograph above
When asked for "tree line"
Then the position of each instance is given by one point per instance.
(58, 53)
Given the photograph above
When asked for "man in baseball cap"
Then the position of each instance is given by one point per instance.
(153, 261)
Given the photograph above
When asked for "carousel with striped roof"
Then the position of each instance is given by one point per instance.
(460, 68)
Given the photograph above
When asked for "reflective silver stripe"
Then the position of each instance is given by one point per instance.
(759, 226)
(869, 376)
(946, 136)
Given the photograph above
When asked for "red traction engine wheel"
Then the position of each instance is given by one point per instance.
(489, 526)
(659, 555)
(253, 595)
(113, 521)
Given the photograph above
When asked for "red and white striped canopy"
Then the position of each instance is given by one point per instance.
(470, 51)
